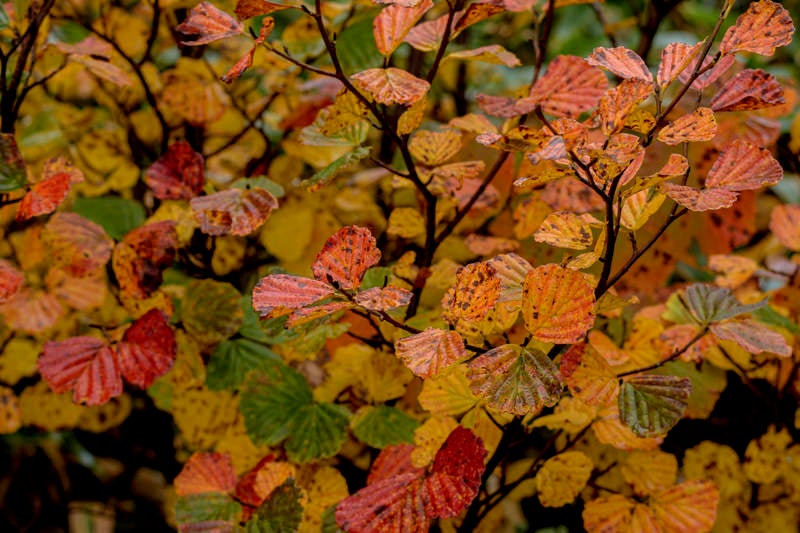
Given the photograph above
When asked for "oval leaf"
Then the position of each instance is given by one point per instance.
(428, 353)
(557, 304)
(346, 256)
(652, 404)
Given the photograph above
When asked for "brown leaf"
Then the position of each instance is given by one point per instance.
(697, 126)
(621, 61)
(762, 28)
(209, 24)
(750, 89)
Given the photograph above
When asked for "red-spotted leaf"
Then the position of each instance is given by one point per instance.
(392, 85)
(147, 350)
(621, 61)
(11, 280)
(394, 22)
(85, 365)
(456, 474)
(233, 211)
(557, 304)
(284, 290)
(77, 245)
(246, 9)
(652, 404)
(765, 26)
(700, 199)
(383, 298)
(206, 472)
(742, 166)
(752, 336)
(346, 256)
(750, 89)
(208, 24)
(178, 174)
(141, 257)
(429, 352)
(569, 87)
(699, 125)
(514, 380)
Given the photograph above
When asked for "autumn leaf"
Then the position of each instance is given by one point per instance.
(141, 257)
(565, 229)
(284, 290)
(281, 511)
(784, 222)
(515, 380)
(77, 245)
(752, 336)
(649, 471)
(233, 211)
(147, 349)
(621, 61)
(742, 166)
(619, 102)
(391, 85)
(502, 107)
(426, 36)
(431, 351)
(652, 404)
(749, 90)
(85, 365)
(433, 148)
(765, 26)
(588, 376)
(11, 280)
(675, 58)
(208, 24)
(557, 304)
(383, 298)
(561, 478)
(493, 53)
(569, 87)
(475, 292)
(694, 199)
(699, 125)
(394, 22)
(688, 506)
(206, 472)
(246, 9)
(346, 256)
(178, 174)
(47, 194)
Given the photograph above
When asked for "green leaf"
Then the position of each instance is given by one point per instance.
(383, 425)
(704, 304)
(281, 512)
(116, 215)
(769, 316)
(210, 310)
(271, 398)
(251, 326)
(261, 182)
(356, 47)
(329, 524)
(318, 431)
(233, 359)
(651, 405)
(330, 172)
(12, 168)
(207, 510)
(375, 277)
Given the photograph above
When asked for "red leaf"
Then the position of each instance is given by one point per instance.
(178, 174)
(456, 474)
(45, 196)
(392, 85)
(498, 106)
(267, 25)
(621, 61)
(78, 245)
(246, 9)
(391, 505)
(708, 77)
(569, 87)
(206, 472)
(394, 460)
(748, 90)
(346, 256)
(147, 350)
(246, 487)
(233, 211)
(763, 27)
(141, 257)
(85, 365)
(11, 280)
(284, 290)
(209, 24)
(742, 166)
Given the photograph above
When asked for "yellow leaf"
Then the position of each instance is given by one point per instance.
(565, 229)
(638, 208)
(18, 359)
(43, 408)
(228, 254)
(733, 270)
(649, 471)
(479, 422)
(181, 213)
(429, 437)
(243, 453)
(101, 418)
(557, 304)
(690, 506)
(447, 393)
(588, 376)
(375, 376)
(406, 222)
(718, 463)
(411, 118)
(203, 416)
(570, 415)
(561, 478)
(609, 514)
(322, 487)
(433, 148)
(10, 415)
(765, 457)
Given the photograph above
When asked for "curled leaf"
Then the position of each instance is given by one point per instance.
(208, 24)
(233, 211)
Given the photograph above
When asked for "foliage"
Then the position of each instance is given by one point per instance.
(383, 266)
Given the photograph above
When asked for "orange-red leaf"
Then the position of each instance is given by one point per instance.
(492, 53)
(85, 365)
(46, 195)
(206, 472)
(709, 76)
(77, 245)
(784, 222)
(427, 35)
(475, 292)
(499, 106)
(147, 350)
(675, 58)
(285, 290)
(697, 126)
(428, 353)
(233, 211)
(752, 336)
(31, 311)
(346, 256)
(765, 26)
(588, 375)
(621, 61)
(392, 85)
(557, 304)
(456, 474)
(394, 22)
(383, 298)
(700, 199)
(742, 166)
(209, 24)
(569, 87)
(475, 12)
(11, 280)
(246, 9)
(748, 90)
(619, 102)
(141, 257)
(178, 174)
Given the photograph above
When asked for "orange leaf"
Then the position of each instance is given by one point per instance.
(492, 53)
(557, 304)
(742, 166)
(233, 211)
(709, 76)
(752, 336)
(649, 471)
(784, 222)
(475, 292)
(178, 174)
(433, 148)
(346, 256)
(427, 35)
(11, 280)
(512, 270)
(284, 290)
(748, 90)
(762, 28)
(689, 506)
(428, 353)
(392, 85)
(209, 24)
(77, 245)
(588, 376)
(206, 472)
(675, 58)
(565, 229)
(141, 257)
(85, 365)
(45, 196)
(569, 87)
(246, 9)
(621, 61)
(147, 349)
(475, 12)
(697, 126)
(502, 107)
(394, 22)
(394, 460)
(700, 199)
(607, 514)
(31, 311)
(383, 298)
(307, 314)
(617, 103)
